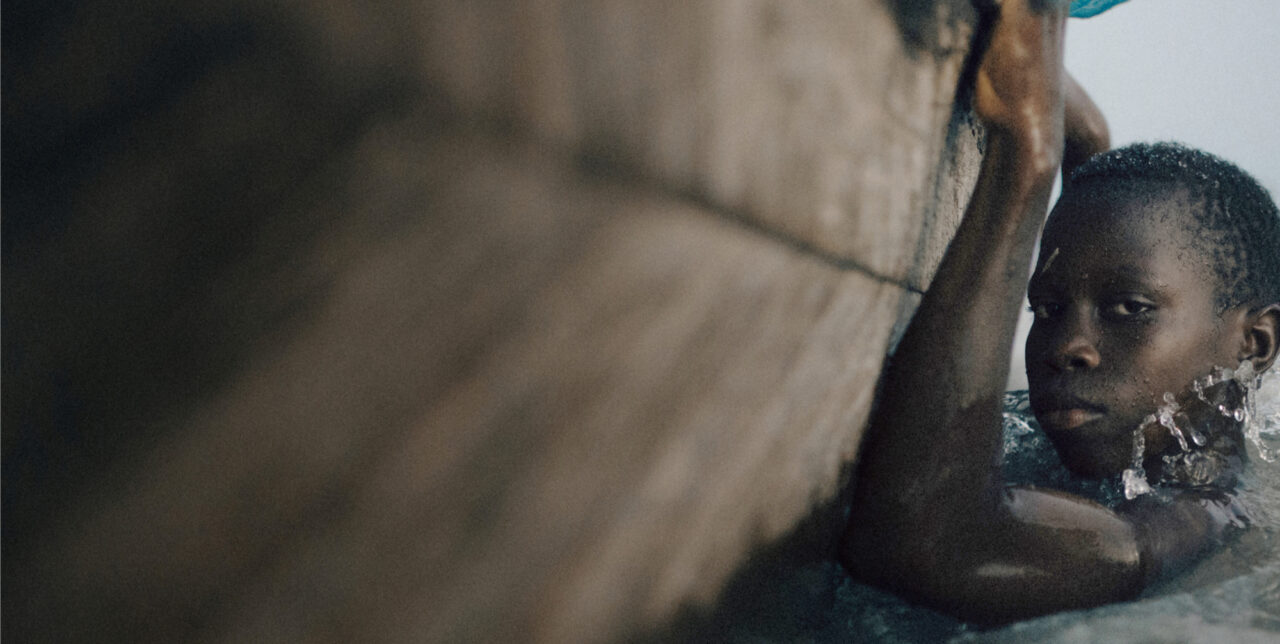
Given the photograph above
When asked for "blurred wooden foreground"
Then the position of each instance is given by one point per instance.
(448, 321)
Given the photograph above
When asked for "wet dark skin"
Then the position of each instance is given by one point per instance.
(1120, 320)
(1121, 278)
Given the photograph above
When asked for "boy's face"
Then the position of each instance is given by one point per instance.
(1125, 312)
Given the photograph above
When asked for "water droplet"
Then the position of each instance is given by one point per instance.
(1135, 478)
(1135, 483)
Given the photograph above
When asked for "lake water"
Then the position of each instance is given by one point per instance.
(1232, 595)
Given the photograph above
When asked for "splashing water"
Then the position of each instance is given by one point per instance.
(1166, 414)
(1135, 477)
(1262, 410)
(1258, 411)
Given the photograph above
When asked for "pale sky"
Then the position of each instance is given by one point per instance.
(1205, 72)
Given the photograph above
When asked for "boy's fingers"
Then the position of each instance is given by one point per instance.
(1041, 6)
(1034, 6)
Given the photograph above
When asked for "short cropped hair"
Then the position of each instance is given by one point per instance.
(1238, 226)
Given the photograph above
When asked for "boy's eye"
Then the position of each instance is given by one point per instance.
(1044, 310)
(1126, 308)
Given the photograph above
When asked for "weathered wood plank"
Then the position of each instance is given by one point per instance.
(449, 320)
(549, 406)
(822, 121)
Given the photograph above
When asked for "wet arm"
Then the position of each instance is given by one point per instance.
(1084, 127)
(1174, 533)
(929, 457)
(931, 517)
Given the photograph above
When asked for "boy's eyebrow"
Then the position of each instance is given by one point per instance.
(1122, 275)
(1127, 274)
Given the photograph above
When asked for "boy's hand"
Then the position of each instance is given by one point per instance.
(1019, 86)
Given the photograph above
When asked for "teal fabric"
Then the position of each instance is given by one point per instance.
(1091, 8)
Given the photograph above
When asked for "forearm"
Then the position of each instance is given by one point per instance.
(928, 472)
(953, 359)
(930, 516)
(933, 440)
(936, 429)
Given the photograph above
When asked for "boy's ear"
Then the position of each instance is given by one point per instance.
(1262, 331)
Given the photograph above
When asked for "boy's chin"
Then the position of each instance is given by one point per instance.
(1093, 462)
(1093, 469)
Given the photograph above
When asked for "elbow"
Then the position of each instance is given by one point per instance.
(899, 566)
(1085, 129)
(1087, 136)
(888, 557)
(861, 555)
(866, 550)
(1100, 134)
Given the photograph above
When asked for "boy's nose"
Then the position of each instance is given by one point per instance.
(1077, 352)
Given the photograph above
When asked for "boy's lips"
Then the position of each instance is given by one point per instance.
(1067, 412)
(1068, 418)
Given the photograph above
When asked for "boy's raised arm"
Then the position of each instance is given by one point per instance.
(931, 517)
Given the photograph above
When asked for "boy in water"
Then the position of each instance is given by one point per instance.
(1157, 265)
